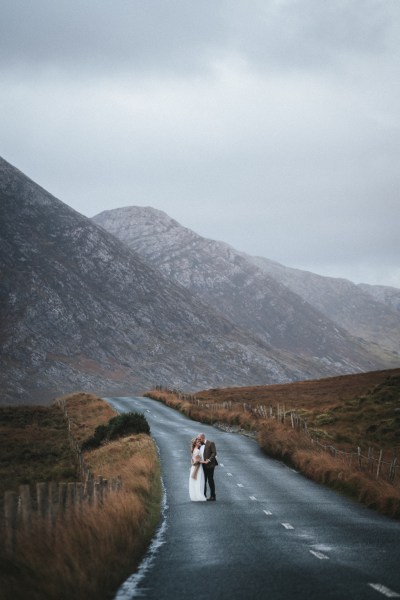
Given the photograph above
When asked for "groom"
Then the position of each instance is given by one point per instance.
(209, 453)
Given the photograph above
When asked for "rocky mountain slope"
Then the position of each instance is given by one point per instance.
(382, 293)
(366, 311)
(81, 310)
(239, 289)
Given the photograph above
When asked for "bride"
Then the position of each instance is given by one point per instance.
(196, 477)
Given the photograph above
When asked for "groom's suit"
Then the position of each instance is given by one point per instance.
(210, 453)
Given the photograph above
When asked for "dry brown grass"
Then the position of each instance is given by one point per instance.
(297, 449)
(86, 412)
(33, 447)
(349, 410)
(305, 395)
(89, 554)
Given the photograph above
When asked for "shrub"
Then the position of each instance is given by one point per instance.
(324, 419)
(120, 426)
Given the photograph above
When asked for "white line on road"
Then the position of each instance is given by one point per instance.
(240, 484)
(252, 498)
(267, 512)
(384, 590)
(229, 474)
(319, 555)
(287, 525)
(221, 465)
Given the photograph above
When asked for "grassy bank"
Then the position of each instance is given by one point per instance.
(92, 551)
(349, 411)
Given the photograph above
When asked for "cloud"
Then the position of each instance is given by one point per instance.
(272, 125)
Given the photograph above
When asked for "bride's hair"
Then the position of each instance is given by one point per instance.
(194, 440)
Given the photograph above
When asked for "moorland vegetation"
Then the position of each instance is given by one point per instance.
(345, 416)
(88, 552)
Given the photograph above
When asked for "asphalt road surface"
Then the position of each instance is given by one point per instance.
(271, 533)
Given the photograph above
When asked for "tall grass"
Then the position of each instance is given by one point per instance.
(295, 448)
(89, 553)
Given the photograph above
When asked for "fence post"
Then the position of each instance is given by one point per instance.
(53, 502)
(359, 457)
(62, 498)
(71, 492)
(26, 505)
(10, 510)
(78, 495)
(392, 470)
(97, 493)
(379, 464)
(370, 457)
(89, 488)
(42, 499)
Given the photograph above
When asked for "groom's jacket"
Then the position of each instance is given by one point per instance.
(210, 453)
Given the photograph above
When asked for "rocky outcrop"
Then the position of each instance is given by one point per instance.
(387, 295)
(81, 310)
(241, 289)
(365, 311)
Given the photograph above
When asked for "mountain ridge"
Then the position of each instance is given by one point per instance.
(229, 281)
(81, 310)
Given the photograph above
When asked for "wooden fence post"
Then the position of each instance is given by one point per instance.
(78, 495)
(97, 493)
(10, 510)
(42, 499)
(26, 505)
(62, 498)
(392, 470)
(71, 493)
(359, 457)
(53, 502)
(89, 488)
(379, 464)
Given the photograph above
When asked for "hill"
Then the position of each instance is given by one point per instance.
(81, 310)
(366, 311)
(241, 290)
(350, 410)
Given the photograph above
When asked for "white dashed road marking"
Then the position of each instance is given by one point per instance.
(384, 590)
(287, 525)
(267, 512)
(229, 474)
(252, 498)
(240, 484)
(319, 555)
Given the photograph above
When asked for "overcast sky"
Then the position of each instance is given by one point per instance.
(273, 125)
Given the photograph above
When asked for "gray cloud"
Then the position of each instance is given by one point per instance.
(272, 125)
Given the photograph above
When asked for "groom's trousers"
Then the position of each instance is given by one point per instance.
(209, 478)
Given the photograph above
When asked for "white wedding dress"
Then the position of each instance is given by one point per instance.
(196, 486)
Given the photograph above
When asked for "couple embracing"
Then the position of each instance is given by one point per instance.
(204, 461)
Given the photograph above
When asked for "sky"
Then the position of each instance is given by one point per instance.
(272, 125)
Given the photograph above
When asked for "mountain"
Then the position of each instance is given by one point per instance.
(382, 293)
(365, 311)
(81, 310)
(241, 290)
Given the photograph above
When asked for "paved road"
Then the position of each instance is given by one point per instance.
(271, 534)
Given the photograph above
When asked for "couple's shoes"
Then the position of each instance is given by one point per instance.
(211, 498)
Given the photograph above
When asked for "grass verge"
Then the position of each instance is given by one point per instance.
(292, 447)
(89, 553)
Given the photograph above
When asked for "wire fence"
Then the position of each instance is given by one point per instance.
(52, 502)
(370, 461)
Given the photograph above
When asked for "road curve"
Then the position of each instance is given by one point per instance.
(271, 534)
